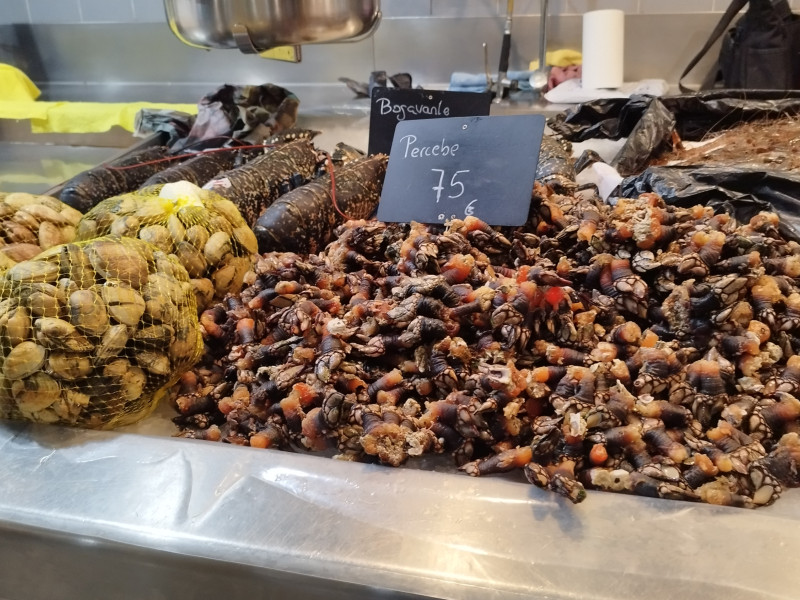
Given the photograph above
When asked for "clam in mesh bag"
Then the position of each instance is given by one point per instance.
(31, 223)
(93, 333)
(203, 230)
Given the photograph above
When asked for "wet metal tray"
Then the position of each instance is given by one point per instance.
(87, 514)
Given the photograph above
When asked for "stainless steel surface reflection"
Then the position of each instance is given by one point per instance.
(110, 515)
(36, 168)
(270, 23)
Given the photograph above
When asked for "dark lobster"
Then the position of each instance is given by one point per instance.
(256, 185)
(125, 174)
(304, 219)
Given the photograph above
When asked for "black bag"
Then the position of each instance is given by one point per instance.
(762, 51)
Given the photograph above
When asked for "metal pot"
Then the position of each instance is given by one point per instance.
(258, 25)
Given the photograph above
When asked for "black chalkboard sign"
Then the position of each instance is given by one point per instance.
(392, 106)
(442, 169)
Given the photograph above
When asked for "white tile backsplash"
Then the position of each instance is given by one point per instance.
(149, 11)
(103, 11)
(152, 11)
(405, 8)
(14, 11)
(61, 11)
(672, 7)
(467, 8)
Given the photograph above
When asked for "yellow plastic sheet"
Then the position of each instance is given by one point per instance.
(15, 85)
(18, 101)
(559, 58)
(81, 117)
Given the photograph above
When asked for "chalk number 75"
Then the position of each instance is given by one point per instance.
(454, 183)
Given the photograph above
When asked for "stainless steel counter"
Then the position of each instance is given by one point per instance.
(119, 515)
(36, 168)
(138, 514)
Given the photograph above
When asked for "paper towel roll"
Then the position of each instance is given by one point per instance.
(603, 48)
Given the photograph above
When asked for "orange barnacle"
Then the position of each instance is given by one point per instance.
(245, 331)
(531, 291)
(702, 212)
(288, 287)
(226, 405)
(792, 303)
(766, 290)
(548, 373)
(555, 296)
(535, 407)
(519, 379)
(588, 226)
(241, 394)
(710, 247)
(651, 198)
(457, 268)
(625, 231)
(791, 266)
(564, 266)
(604, 352)
(648, 239)
(556, 214)
(649, 339)
(258, 440)
(386, 382)
(764, 220)
(598, 455)
(353, 383)
(305, 394)
(312, 430)
(541, 374)
(718, 221)
(619, 370)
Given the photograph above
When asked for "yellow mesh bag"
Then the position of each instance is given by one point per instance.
(203, 230)
(93, 333)
(31, 223)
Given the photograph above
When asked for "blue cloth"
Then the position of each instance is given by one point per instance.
(476, 82)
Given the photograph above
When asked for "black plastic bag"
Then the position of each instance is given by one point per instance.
(652, 133)
(760, 51)
(695, 115)
(647, 121)
(739, 190)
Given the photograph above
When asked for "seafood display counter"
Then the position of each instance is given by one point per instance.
(137, 513)
(120, 515)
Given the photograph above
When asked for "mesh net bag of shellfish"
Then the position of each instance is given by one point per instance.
(92, 332)
(31, 223)
(203, 230)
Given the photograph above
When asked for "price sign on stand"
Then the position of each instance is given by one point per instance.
(390, 107)
(442, 169)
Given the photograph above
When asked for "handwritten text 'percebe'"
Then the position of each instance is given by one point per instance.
(414, 151)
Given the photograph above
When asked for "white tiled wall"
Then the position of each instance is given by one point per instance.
(125, 11)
